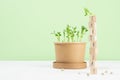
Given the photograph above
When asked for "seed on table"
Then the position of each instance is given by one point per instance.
(88, 74)
(102, 73)
(106, 71)
(79, 73)
(111, 72)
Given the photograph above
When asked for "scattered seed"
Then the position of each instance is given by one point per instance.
(106, 71)
(88, 74)
(102, 73)
(111, 72)
(79, 73)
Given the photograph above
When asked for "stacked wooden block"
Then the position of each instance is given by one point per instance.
(93, 44)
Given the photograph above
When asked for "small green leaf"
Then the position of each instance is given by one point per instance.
(87, 12)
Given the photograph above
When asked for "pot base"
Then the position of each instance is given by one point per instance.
(69, 65)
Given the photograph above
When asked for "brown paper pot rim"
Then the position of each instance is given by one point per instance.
(69, 43)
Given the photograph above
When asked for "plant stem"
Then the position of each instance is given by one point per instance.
(68, 39)
(59, 38)
(64, 36)
(72, 38)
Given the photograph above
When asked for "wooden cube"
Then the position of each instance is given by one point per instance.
(93, 44)
(92, 18)
(93, 70)
(93, 56)
(92, 63)
(92, 31)
(93, 51)
(92, 24)
(92, 38)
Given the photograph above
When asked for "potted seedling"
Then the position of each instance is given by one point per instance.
(69, 48)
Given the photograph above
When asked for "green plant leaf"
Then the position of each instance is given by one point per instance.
(71, 34)
(87, 12)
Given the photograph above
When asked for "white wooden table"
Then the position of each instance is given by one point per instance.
(42, 70)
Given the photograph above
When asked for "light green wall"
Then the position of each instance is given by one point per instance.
(25, 26)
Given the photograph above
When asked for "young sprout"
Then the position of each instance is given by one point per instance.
(70, 34)
(87, 12)
(73, 32)
(57, 35)
(64, 35)
(83, 31)
(68, 31)
(78, 35)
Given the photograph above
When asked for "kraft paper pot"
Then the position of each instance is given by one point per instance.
(70, 53)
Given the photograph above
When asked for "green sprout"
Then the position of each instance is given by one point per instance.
(71, 34)
(87, 12)
(57, 35)
(64, 34)
(78, 34)
(68, 32)
(83, 31)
